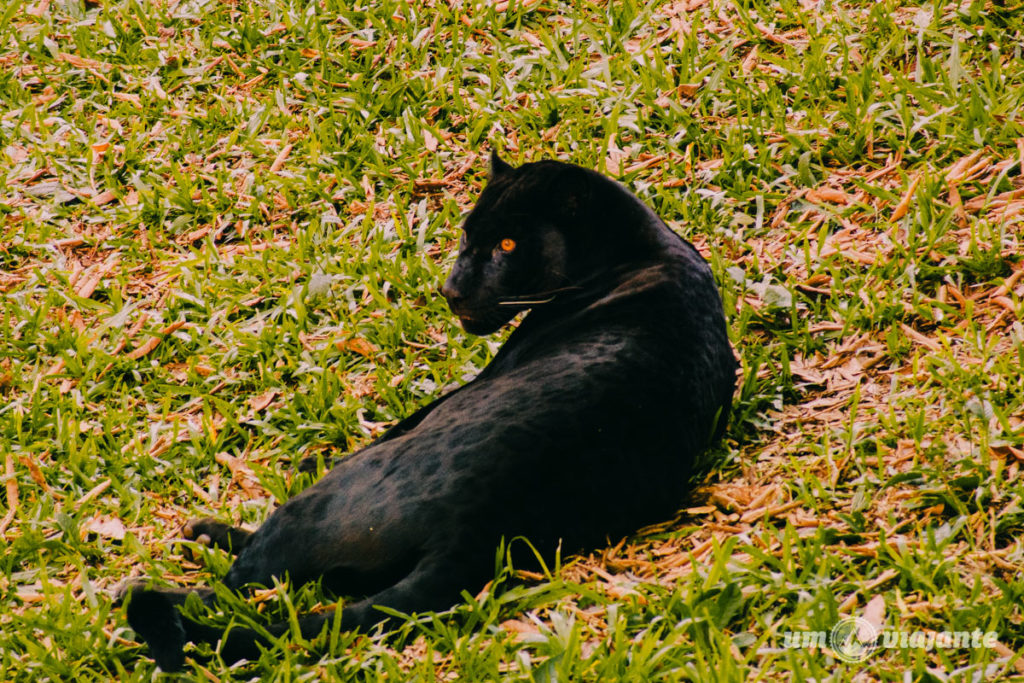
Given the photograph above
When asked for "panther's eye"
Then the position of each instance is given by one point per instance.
(507, 245)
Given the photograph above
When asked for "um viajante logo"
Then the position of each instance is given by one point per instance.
(854, 639)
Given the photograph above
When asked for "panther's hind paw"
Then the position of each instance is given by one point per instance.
(155, 618)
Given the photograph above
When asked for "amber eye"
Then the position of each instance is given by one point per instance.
(507, 244)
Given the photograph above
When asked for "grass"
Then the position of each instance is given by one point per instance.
(223, 227)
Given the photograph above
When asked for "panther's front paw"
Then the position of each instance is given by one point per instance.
(204, 531)
(214, 534)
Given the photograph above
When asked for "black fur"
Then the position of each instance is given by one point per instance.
(584, 427)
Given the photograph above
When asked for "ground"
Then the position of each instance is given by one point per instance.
(222, 231)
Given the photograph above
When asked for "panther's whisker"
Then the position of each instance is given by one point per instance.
(539, 297)
(526, 302)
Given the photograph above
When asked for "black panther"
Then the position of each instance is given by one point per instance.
(584, 427)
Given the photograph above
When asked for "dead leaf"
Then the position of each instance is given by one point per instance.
(874, 614)
(241, 473)
(689, 89)
(920, 338)
(39, 10)
(750, 61)
(360, 346)
(94, 275)
(131, 98)
(194, 235)
(154, 341)
(16, 153)
(12, 493)
(99, 149)
(828, 194)
(613, 161)
(258, 403)
(36, 473)
(53, 190)
(959, 170)
(901, 209)
(282, 157)
(806, 371)
(423, 185)
(104, 197)
(429, 141)
(85, 62)
(107, 527)
(521, 630)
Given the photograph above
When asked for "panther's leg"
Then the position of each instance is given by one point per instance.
(434, 584)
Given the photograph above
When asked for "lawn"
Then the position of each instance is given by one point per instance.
(223, 227)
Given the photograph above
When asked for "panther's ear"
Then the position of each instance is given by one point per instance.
(575, 192)
(498, 165)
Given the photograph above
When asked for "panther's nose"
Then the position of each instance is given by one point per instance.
(450, 292)
(456, 299)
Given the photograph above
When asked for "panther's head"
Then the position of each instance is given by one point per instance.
(515, 244)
